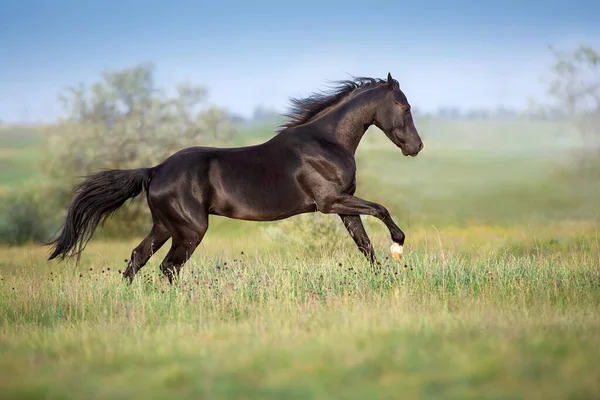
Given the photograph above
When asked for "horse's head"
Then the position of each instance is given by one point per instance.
(394, 118)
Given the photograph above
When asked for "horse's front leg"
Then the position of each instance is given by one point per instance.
(352, 205)
(355, 227)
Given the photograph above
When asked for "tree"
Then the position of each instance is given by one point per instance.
(576, 86)
(124, 121)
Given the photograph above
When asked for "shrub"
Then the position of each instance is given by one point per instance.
(23, 218)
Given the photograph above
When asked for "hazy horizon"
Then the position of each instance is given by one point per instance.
(467, 55)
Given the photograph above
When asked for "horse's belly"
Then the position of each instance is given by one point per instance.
(252, 209)
(261, 203)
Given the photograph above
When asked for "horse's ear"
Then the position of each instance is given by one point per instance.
(390, 81)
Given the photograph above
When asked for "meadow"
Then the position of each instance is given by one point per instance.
(497, 296)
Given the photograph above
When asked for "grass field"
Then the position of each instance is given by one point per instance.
(498, 295)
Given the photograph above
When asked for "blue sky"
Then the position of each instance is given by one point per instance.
(484, 53)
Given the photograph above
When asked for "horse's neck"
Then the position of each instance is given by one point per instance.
(351, 121)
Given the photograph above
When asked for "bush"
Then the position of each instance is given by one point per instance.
(23, 219)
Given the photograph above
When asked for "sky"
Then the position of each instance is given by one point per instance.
(462, 53)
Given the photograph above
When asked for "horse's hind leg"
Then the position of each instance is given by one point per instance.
(157, 236)
(355, 227)
(186, 238)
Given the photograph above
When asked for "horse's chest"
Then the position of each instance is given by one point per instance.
(341, 174)
(333, 170)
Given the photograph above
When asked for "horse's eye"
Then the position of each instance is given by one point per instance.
(405, 108)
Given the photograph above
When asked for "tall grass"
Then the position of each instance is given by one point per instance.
(448, 322)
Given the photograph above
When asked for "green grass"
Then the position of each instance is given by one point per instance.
(518, 320)
(499, 298)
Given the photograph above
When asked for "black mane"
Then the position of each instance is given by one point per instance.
(303, 110)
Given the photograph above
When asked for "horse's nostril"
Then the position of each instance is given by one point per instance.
(421, 146)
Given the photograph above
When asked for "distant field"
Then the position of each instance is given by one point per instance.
(497, 298)
(470, 171)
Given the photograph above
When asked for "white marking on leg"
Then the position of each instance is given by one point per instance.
(396, 250)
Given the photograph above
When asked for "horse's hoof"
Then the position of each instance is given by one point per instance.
(396, 251)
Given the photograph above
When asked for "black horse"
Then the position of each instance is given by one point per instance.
(308, 166)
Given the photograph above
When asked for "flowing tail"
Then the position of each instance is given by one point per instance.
(95, 199)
